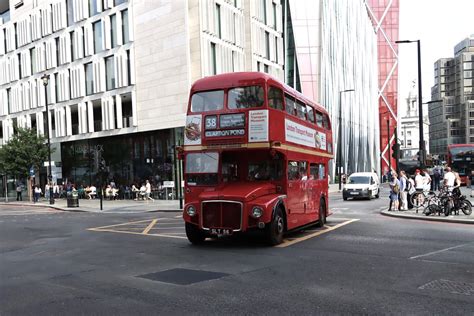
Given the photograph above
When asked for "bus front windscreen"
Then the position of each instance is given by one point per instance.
(202, 168)
(246, 97)
(207, 101)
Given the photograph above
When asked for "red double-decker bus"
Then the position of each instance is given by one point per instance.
(256, 157)
(461, 159)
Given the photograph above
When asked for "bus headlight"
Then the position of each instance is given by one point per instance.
(191, 210)
(257, 212)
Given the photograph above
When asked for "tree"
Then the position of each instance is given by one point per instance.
(23, 151)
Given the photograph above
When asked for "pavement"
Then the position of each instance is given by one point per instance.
(108, 206)
(132, 206)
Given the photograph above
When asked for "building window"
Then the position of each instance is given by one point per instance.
(408, 142)
(58, 52)
(213, 59)
(274, 15)
(218, 20)
(409, 133)
(117, 2)
(98, 47)
(89, 79)
(267, 45)
(125, 28)
(93, 10)
(129, 69)
(73, 46)
(33, 60)
(70, 12)
(264, 9)
(110, 73)
(113, 30)
(19, 65)
(265, 68)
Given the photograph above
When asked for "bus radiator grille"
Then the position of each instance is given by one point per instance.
(222, 215)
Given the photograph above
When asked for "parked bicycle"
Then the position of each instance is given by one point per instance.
(448, 202)
(421, 198)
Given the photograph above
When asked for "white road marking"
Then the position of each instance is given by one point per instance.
(439, 251)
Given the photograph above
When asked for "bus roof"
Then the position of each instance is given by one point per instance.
(238, 79)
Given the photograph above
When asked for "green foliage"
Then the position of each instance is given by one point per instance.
(24, 149)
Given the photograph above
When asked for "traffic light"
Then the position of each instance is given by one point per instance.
(396, 150)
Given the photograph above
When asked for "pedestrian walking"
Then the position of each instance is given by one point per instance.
(19, 190)
(403, 191)
(436, 178)
(394, 192)
(37, 193)
(148, 191)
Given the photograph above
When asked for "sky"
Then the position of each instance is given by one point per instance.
(439, 25)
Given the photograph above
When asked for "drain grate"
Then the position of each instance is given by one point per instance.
(450, 286)
(183, 276)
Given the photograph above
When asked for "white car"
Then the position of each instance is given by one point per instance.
(362, 185)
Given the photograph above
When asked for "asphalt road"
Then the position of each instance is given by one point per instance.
(56, 263)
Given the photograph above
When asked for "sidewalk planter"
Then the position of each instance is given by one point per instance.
(72, 199)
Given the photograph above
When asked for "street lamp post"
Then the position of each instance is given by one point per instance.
(420, 103)
(45, 79)
(339, 139)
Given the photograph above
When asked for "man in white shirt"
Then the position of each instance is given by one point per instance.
(148, 191)
(93, 192)
(419, 180)
(449, 178)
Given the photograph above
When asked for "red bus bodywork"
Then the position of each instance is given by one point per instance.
(461, 160)
(224, 148)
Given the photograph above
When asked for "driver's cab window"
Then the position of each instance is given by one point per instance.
(230, 171)
(297, 170)
(372, 181)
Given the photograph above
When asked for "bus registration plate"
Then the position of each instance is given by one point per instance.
(221, 231)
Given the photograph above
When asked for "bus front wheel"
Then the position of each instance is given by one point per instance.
(194, 234)
(275, 229)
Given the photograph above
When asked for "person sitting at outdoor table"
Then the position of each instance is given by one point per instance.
(108, 192)
(91, 194)
(142, 191)
(115, 193)
(135, 192)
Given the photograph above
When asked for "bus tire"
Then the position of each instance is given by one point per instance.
(276, 228)
(322, 214)
(194, 234)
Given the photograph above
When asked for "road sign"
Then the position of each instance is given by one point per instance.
(168, 184)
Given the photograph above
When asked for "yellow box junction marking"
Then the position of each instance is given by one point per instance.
(145, 232)
(287, 243)
(150, 226)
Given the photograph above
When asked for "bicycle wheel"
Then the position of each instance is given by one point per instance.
(466, 207)
(418, 199)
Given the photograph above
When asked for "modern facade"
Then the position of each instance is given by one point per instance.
(331, 47)
(451, 110)
(385, 18)
(120, 73)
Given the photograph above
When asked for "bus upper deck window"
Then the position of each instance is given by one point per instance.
(319, 119)
(246, 97)
(290, 104)
(275, 98)
(301, 110)
(325, 122)
(207, 101)
(310, 113)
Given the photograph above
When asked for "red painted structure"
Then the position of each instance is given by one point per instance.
(385, 18)
(256, 156)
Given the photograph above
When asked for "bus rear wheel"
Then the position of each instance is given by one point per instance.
(194, 234)
(274, 230)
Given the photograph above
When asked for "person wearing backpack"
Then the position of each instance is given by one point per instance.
(403, 191)
(436, 178)
(394, 192)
